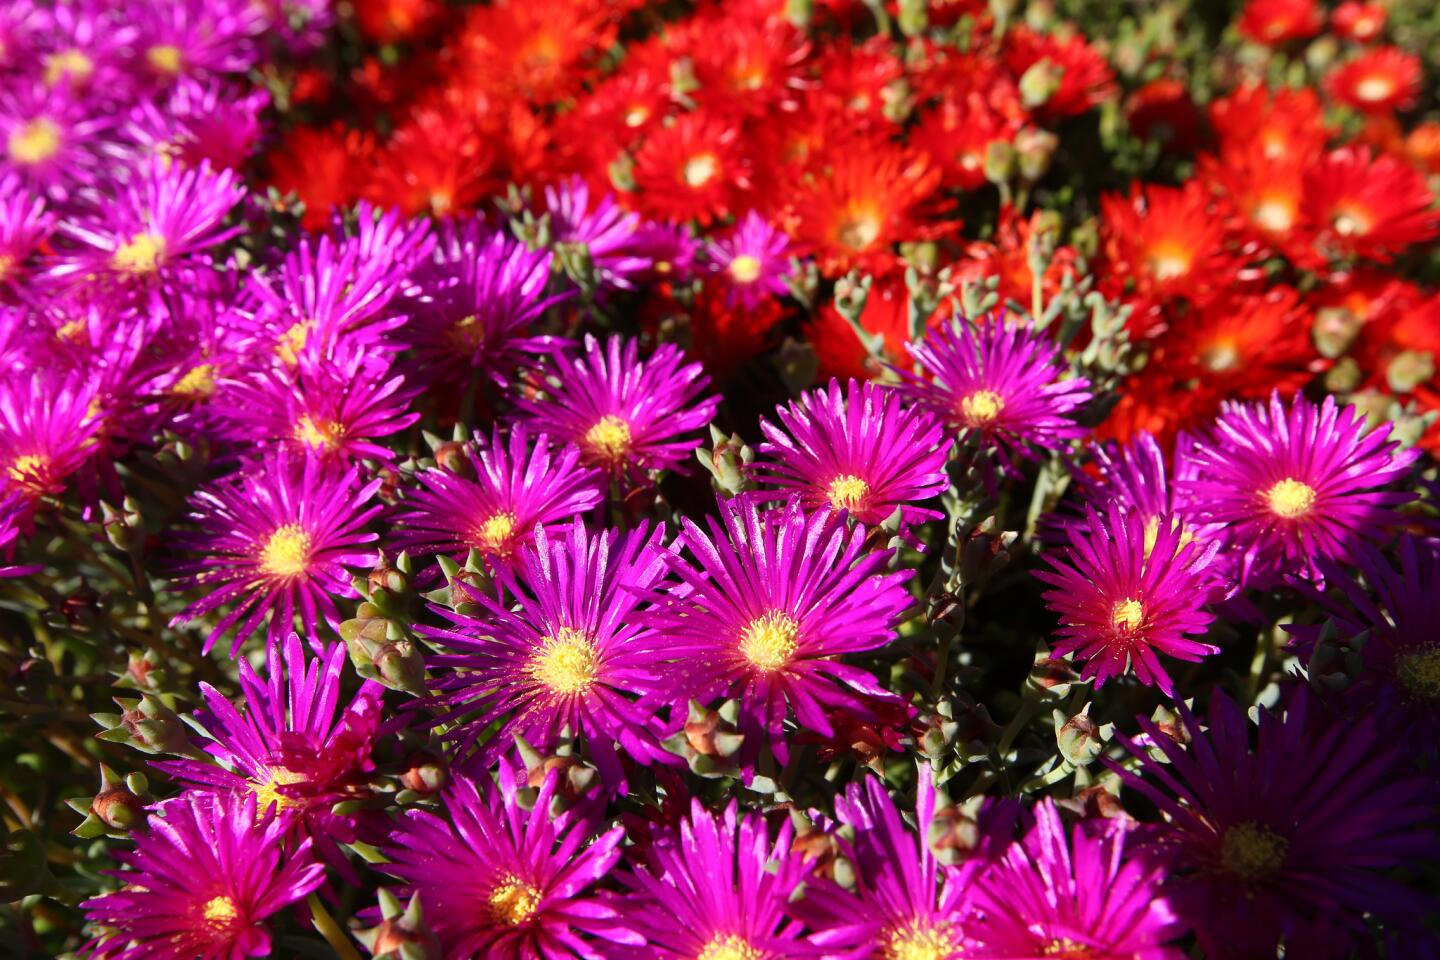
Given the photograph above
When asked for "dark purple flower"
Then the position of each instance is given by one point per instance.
(47, 433)
(750, 262)
(24, 226)
(607, 233)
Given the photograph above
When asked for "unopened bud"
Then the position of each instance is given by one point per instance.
(999, 162)
(424, 773)
(1040, 83)
(1035, 148)
(117, 808)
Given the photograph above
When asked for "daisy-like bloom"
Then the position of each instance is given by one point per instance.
(998, 384)
(47, 137)
(1135, 478)
(198, 37)
(693, 169)
(1126, 591)
(558, 649)
(166, 214)
(857, 448)
(1361, 22)
(1381, 80)
(519, 483)
(500, 879)
(200, 121)
(606, 232)
(718, 891)
(1287, 125)
(275, 540)
(957, 134)
(1298, 830)
(537, 50)
(204, 877)
(1058, 76)
(298, 746)
(1277, 22)
(24, 225)
(1088, 896)
(332, 407)
(627, 415)
(906, 905)
(1367, 206)
(324, 168)
(439, 161)
(773, 601)
(1295, 484)
(750, 261)
(47, 432)
(1166, 241)
(480, 293)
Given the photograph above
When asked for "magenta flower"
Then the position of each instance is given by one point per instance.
(198, 37)
(607, 233)
(14, 510)
(559, 648)
(24, 225)
(626, 415)
(47, 432)
(772, 601)
(203, 879)
(518, 484)
(750, 261)
(1296, 485)
(1126, 591)
(48, 137)
(720, 889)
(1136, 477)
(860, 450)
(505, 881)
(198, 122)
(1087, 895)
(275, 540)
(1295, 833)
(999, 385)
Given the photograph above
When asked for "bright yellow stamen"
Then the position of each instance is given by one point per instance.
(1220, 356)
(71, 330)
(1252, 851)
(287, 552)
(745, 268)
(493, 535)
(7, 264)
(729, 947)
(319, 434)
(636, 115)
(292, 341)
(770, 641)
(26, 470)
(917, 942)
(68, 64)
(609, 439)
(1168, 261)
(1353, 221)
(267, 792)
(981, 408)
(513, 902)
(701, 169)
(141, 254)
(1152, 534)
(220, 912)
(848, 492)
(468, 334)
(859, 232)
(1067, 949)
(1291, 498)
(1419, 673)
(566, 662)
(1276, 216)
(34, 142)
(1128, 614)
(165, 58)
(198, 384)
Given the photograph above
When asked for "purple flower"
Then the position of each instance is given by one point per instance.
(48, 138)
(1295, 485)
(275, 540)
(14, 510)
(1085, 896)
(505, 881)
(24, 225)
(626, 415)
(47, 432)
(558, 649)
(1297, 831)
(88, 46)
(203, 879)
(607, 233)
(198, 37)
(670, 249)
(750, 262)
(1125, 593)
(719, 890)
(517, 485)
(199, 121)
(770, 604)
(860, 450)
(998, 384)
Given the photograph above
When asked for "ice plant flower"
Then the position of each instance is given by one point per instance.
(718, 889)
(275, 540)
(997, 384)
(1126, 592)
(627, 415)
(1295, 483)
(1093, 894)
(1297, 831)
(519, 482)
(498, 879)
(558, 649)
(47, 432)
(1136, 478)
(1381, 80)
(773, 601)
(750, 261)
(607, 233)
(203, 878)
(858, 448)
(1367, 206)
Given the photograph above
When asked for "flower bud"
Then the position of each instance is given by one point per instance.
(424, 773)
(1039, 84)
(117, 808)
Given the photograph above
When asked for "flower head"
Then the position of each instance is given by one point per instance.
(750, 261)
(1381, 80)
(47, 432)
(858, 448)
(606, 232)
(204, 877)
(1276, 22)
(1367, 206)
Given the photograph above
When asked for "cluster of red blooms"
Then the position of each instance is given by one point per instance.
(1269, 267)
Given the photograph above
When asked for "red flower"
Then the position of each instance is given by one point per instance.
(1367, 206)
(839, 352)
(1075, 77)
(1165, 241)
(1380, 80)
(389, 21)
(956, 135)
(437, 162)
(1275, 22)
(744, 60)
(694, 169)
(325, 168)
(1163, 111)
(1287, 125)
(860, 80)
(1007, 256)
(725, 338)
(1361, 22)
(1263, 197)
(539, 50)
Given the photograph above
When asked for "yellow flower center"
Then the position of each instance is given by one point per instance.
(1067, 949)
(220, 913)
(919, 942)
(848, 492)
(636, 116)
(34, 142)
(1251, 851)
(1374, 88)
(198, 384)
(319, 434)
(729, 947)
(1419, 673)
(27, 470)
(859, 232)
(981, 408)
(267, 792)
(769, 641)
(468, 334)
(287, 552)
(701, 169)
(1128, 614)
(141, 254)
(68, 64)
(609, 439)
(1220, 356)
(165, 58)
(1152, 534)
(1168, 261)
(1291, 498)
(566, 662)
(1276, 216)
(513, 902)
(745, 268)
(494, 534)
(292, 341)
(1353, 221)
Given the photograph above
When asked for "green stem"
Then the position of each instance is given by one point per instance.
(330, 930)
